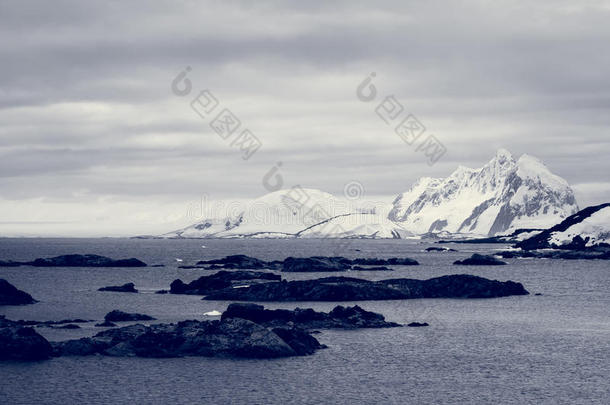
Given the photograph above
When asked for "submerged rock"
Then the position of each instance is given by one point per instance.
(339, 318)
(10, 295)
(354, 289)
(120, 316)
(480, 260)
(128, 287)
(232, 337)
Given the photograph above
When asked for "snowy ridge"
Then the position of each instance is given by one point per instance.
(587, 228)
(500, 197)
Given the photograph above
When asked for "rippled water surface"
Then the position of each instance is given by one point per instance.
(553, 348)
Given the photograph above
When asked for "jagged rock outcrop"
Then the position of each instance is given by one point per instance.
(232, 337)
(21, 343)
(339, 318)
(11, 295)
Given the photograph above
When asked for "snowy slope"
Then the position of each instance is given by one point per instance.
(589, 227)
(594, 230)
(500, 197)
(283, 213)
(357, 225)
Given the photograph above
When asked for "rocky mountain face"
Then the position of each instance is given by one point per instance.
(500, 197)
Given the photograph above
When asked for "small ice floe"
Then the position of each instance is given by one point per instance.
(213, 313)
(203, 246)
(179, 260)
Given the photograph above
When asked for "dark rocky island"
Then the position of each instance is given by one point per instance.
(480, 260)
(128, 287)
(231, 337)
(303, 264)
(22, 343)
(339, 318)
(78, 261)
(354, 289)
(223, 279)
(596, 253)
(244, 330)
(10, 295)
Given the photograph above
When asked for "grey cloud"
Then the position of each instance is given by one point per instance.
(85, 99)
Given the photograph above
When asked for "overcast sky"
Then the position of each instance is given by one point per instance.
(94, 142)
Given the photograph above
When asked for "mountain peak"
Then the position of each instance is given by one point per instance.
(500, 196)
(503, 154)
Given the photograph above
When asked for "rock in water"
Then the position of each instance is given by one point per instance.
(128, 287)
(305, 264)
(339, 318)
(85, 261)
(234, 337)
(10, 295)
(22, 343)
(240, 262)
(354, 289)
(120, 316)
(456, 286)
(301, 264)
(217, 281)
(480, 260)
(322, 289)
(439, 249)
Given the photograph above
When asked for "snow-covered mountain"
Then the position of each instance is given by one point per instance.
(500, 197)
(298, 212)
(585, 229)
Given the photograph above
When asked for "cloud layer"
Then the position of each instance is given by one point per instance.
(88, 121)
